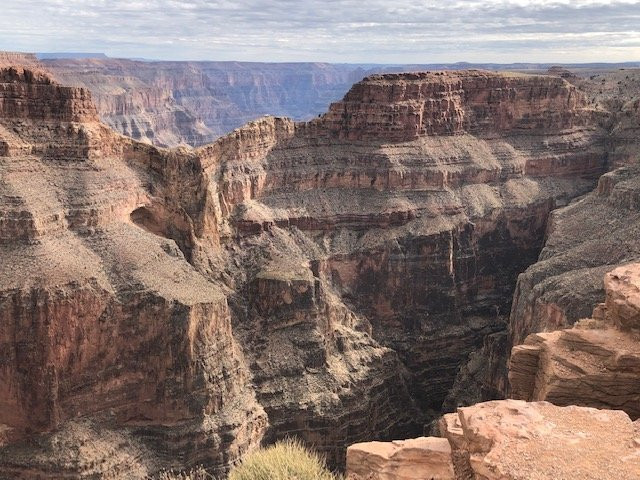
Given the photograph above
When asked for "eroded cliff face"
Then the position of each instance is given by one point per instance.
(586, 239)
(171, 103)
(594, 234)
(100, 320)
(325, 279)
(420, 240)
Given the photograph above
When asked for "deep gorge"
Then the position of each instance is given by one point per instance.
(345, 279)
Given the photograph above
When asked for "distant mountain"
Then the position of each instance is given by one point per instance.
(54, 55)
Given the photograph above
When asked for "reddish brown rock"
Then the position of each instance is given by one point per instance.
(510, 440)
(100, 319)
(594, 235)
(169, 103)
(415, 459)
(403, 107)
(169, 296)
(596, 363)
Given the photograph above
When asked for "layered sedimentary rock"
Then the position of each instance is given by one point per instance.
(98, 318)
(325, 279)
(510, 440)
(417, 241)
(616, 96)
(586, 240)
(412, 105)
(596, 363)
(168, 103)
(595, 234)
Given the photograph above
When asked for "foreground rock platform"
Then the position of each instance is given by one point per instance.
(511, 440)
(596, 363)
(415, 459)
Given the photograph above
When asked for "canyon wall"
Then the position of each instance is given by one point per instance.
(169, 103)
(590, 375)
(117, 356)
(419, 234)
(594, 234)
(595, 363)
(327, 279)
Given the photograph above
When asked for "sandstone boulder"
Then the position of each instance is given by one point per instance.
(416, 459)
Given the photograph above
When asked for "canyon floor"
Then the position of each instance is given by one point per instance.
(345, 279)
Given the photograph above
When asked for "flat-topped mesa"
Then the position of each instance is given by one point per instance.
(596, 363)
(403, 107)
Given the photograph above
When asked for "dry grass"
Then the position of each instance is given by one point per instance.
(194, 474)
(286, 460)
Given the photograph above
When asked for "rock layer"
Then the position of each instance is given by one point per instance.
(168, 103)
(585, 240)
(595, 234)
(98, 318)
(596, 363)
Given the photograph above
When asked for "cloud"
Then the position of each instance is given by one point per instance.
(399, 31)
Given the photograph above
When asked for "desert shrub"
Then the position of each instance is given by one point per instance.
(286, 460)
(198, 473)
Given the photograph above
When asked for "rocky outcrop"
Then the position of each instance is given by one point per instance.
(415, 459)
(595, 363)
(509, 440)
(101, 320)
(586, 239)
(595, 234)
(404, 107)
(289, 279)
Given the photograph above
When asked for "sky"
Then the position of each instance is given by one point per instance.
(350, 31)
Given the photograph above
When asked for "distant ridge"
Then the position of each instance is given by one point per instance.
(54, 55)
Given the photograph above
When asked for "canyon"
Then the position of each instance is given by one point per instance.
(193, 103)
(342, 279)
(594, 365)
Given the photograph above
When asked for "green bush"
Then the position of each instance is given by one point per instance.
(286, 460)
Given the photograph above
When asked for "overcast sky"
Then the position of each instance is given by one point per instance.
(362, 31)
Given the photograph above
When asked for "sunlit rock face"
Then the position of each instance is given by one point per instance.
(327, 279)
(172, 103)
(117, 356)
(509, 440)
(595, 363)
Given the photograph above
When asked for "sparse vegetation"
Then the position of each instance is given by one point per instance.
(286, 460)
(198, 473)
